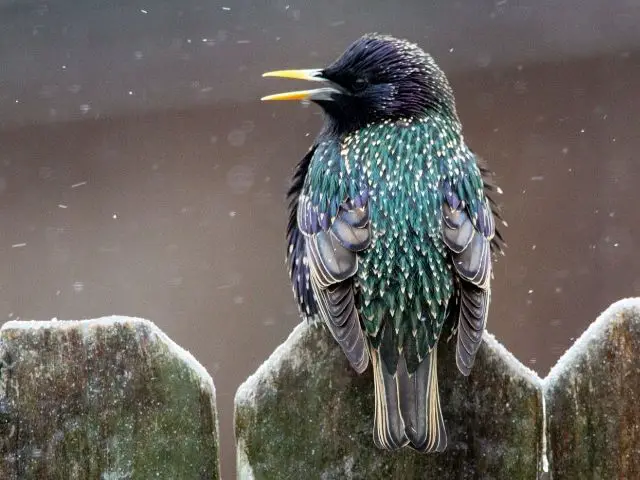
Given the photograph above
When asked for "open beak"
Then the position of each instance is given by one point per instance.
(311, 75)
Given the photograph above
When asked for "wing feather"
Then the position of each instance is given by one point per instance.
(332, 254)
(322, 258)
(471, 247)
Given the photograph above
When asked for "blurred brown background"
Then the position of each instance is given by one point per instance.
(140, 175)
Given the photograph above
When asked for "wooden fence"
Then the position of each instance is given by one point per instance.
(115, 399)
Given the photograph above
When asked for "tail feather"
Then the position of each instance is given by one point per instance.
(388, 431)
(407, 407)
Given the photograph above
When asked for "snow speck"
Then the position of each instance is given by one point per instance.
(60, 205)
(78, 287)
(18, 245)
(79, 184)
(143, 11)
(85, 108)
(226, 9)
(232, 214)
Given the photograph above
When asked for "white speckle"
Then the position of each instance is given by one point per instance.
(85, 108)
(243, 42)
(60, 205)
(78, 287)
(533, 247)
(616, 244)
(79, 184)
(226, 9)
(142, 10)
(582, 130)
(18, 245)
(130, 92)
(115, 216)
(530, 292)
(232, 214)
(537, 178)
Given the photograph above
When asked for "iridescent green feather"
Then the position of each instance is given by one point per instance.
(405, 277)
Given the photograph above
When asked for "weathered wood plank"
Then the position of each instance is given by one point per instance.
(305, 414)
(103, 399)
(593, 399)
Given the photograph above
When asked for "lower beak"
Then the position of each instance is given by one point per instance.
(311, 75)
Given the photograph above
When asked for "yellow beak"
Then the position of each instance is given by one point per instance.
(296, 95)
(311, 75)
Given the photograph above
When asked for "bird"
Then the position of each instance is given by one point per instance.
(391, 232)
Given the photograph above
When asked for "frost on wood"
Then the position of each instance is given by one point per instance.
(593, 399)
(306, 414)
(112, 398)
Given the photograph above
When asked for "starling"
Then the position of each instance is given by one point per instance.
(392, 228)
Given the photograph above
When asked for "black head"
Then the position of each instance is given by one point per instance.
(377, 78)
(383, 77)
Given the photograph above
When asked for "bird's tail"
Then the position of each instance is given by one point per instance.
(407, 406)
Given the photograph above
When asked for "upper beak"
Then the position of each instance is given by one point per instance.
(312, 75)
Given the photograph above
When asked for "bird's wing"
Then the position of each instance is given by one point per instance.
(297, 262)
(469, 231)
(331, 252)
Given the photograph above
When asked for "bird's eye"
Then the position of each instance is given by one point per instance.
(359, 84)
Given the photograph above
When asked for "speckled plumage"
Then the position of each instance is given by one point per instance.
(390, 233)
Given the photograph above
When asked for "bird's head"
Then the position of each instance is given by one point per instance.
(377, 78)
